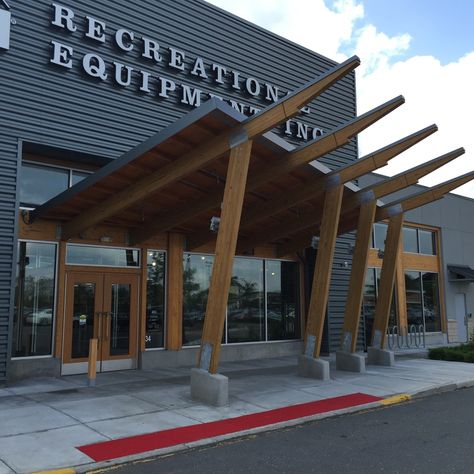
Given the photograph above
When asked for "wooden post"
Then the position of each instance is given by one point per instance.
(92, 368)
(357, 279)
(174, 320)
(224, 256)
(387, 280)
(322, 271)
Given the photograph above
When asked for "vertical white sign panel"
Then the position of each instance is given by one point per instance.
(5, 18)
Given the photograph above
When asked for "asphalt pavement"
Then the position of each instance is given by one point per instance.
(427, 435)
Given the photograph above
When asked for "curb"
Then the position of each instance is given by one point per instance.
(65, 470)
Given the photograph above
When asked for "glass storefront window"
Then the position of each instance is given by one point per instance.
(196, 277)
(410, 240)
(427, 241)
(282, 285)
(414, 299)
(250, 293)
(431, 307)
(245, 307)
(101, 256)
(155, 303)
(34, 299)
(380, 235)
(40, 183)
(369, 301)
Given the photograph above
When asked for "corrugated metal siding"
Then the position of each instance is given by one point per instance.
(46, 104)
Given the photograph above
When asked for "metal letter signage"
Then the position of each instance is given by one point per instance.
(170, 60)
(5, 19)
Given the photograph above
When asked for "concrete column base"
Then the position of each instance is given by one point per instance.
(313, 368)
(350, 361)
(376, 356)
(212, 389)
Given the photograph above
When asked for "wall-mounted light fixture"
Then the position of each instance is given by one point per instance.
(214, 226)
(314, 242)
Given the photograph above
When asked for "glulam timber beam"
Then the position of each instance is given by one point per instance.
(422, 198)
(322, 271)
(283, 165)
(346, 173)
(224, 256)
(378, 190)
(400, 181)
(357, 278)
(270, 117)
(387, 280)
(352, 171)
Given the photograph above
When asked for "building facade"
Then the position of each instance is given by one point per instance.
(84, 83)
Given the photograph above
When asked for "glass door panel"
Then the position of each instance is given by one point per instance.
(83, 319)
(119, 319)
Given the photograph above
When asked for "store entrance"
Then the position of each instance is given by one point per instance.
(102, 306)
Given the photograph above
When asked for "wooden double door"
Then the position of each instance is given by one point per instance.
(103, 306)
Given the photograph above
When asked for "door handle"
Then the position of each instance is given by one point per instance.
(107, 325)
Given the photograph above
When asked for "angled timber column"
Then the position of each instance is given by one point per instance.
(224, 256)
(387, 280)
(323, 269)
(357, 278)
(174, 283)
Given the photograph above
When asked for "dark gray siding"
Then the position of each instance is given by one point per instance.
(46, 104)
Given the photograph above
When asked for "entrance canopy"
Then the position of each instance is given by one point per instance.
(174, 181)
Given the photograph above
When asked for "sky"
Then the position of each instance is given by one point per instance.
(422, 49)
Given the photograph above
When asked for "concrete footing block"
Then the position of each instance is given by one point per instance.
(313, 368)
(376, 356)
(211, 389)
(350, 361)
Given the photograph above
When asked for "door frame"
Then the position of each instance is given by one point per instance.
(101, 275)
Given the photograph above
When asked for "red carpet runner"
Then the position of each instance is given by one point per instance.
(163, 439)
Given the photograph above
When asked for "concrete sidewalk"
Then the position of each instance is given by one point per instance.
(42, 421)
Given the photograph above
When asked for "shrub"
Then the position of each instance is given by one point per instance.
(461, 353)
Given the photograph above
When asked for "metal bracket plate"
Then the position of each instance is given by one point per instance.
(206, 354)
(310, 345)
(377, 339)
(237, 138)
(346, 342)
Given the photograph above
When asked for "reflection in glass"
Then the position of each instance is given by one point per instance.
(282, 300)
(155, 302)
(413, 296)
(101, 256)
(34, 299)
(431, 310)
(39, 183)
(380, 235)
(78, 176)
(82, 319)
(245, 319)
(245, 308)
(427, 242)
(410, 240)
(118, 332)
(196, 278)
(369, 301)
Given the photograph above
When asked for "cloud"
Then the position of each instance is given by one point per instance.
(434, 93)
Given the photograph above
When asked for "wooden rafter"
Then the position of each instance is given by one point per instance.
(422, 198)
(396, 183)
(303, 155)
(346, 173)
(267, 119)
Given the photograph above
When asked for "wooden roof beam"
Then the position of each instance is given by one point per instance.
(422, 198)
(199, 157)
(401, 180)
(283, 165)
(346, 173)
(384, 212)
